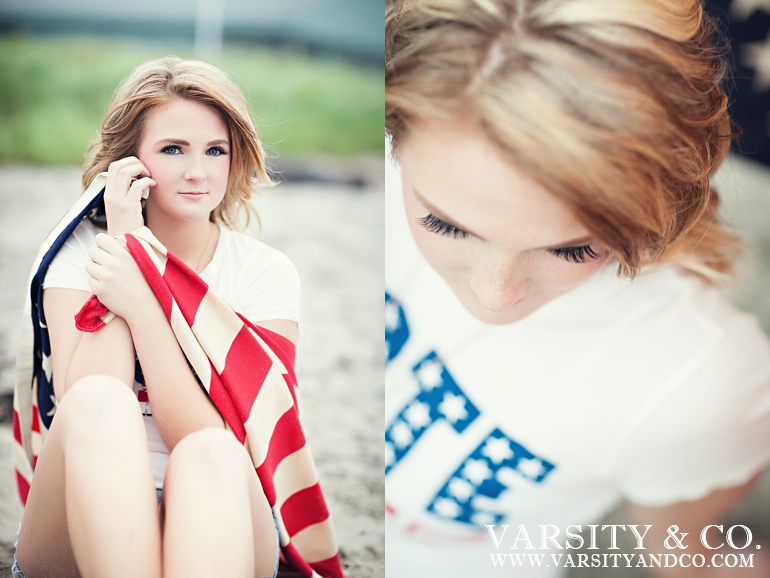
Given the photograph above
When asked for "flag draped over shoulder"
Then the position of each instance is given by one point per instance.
(246, 370)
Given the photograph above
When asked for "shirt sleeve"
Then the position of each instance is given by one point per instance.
(67, 270)
(269, 288)
(709, 432)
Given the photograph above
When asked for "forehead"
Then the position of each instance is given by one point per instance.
(182, 118)
(458, 171)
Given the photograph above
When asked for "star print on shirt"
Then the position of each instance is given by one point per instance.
(429, 374)
(453, 407)
(476, 484)
(439, 399)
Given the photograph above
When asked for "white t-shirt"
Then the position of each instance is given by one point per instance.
(655, 391)
(256, 280)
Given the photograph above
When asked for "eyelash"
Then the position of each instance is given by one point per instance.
(166, 149)
(580, 254)
(436, 225)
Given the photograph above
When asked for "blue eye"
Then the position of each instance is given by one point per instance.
(216, 151)
(580, 254)
(171, 150)
(436, 225)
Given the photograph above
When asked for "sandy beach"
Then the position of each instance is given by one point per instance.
(333, 234)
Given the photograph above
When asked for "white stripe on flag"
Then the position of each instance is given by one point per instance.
(215, 313)
(295, 472)
(314, 542)
(273, 401)
(190, 346)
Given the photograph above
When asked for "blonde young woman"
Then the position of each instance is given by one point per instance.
(131, 416)
(556, 340)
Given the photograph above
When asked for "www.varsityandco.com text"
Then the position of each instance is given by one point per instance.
(724, 547)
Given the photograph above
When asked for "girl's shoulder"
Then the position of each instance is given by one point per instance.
(259, 280)
(238, 251)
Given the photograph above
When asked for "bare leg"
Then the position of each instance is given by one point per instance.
(91, 510)
(217, 519)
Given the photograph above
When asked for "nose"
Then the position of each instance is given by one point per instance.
(498, 283)
(194, 171)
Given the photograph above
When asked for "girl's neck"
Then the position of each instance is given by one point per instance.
(194, 242)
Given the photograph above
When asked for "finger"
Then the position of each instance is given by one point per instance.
(114, 168)
(97, 254)
(93, 269)
(127, 174)
(108, 244)
(138, 187)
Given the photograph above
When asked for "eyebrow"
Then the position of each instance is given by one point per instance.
(182, 142)
(577, 242)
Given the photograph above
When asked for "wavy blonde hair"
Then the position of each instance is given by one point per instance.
(158, 82)
(614, 106)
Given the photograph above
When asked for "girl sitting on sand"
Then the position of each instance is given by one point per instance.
(139, 474)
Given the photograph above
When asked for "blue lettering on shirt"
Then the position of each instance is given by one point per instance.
(396, 327)
(469, 494)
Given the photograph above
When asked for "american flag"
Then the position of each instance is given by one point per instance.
(746, 25)
(246, 370)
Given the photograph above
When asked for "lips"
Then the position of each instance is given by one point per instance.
(193, 193)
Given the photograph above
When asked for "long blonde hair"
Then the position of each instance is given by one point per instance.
(157, 82)
(612, 105)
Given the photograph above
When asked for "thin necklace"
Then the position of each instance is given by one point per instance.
(200, 259)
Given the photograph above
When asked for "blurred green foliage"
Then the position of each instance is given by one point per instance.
(54, 92)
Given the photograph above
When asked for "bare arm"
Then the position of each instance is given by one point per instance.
(75, 354)
(692, 517)
(179, 404)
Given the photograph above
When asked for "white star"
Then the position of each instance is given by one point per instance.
(756, 55)
(390, 454)
(453, 407)
(483, 518)
(477, 471)
(392, 318)
(497, 450)
(47, 366)
(461, 489)
(531, 468)
(52, 411)
(742, 9)
(418, 415)
(429, 374)
(446, 508)
(401, 434)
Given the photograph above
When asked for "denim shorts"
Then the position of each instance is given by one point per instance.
(17, 573)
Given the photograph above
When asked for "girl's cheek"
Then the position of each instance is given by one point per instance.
(564, 276)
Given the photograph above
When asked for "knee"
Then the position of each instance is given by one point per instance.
(211, 453)
(98, 403)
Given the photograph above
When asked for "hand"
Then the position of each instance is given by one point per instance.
(123, 195)
(116, 279)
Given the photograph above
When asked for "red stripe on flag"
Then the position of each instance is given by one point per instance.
(187, 288)
(224, 403)
(286, 439)
(151, 273)
(35, 419)
(16, 426)
(303, 509)
(295, 561)
(23, 488)
(246, 367)
(331, 567)
(89, 318)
